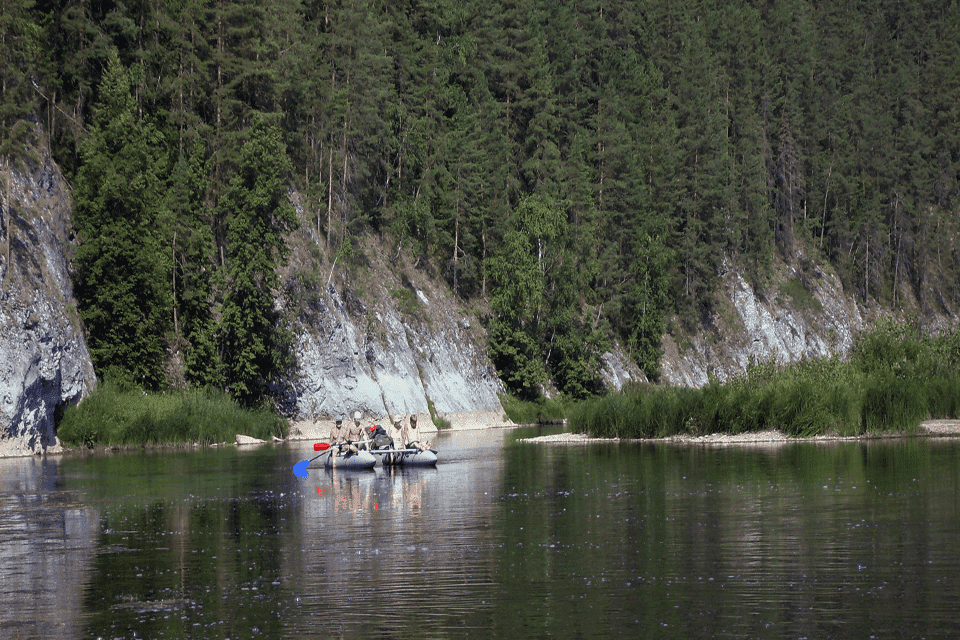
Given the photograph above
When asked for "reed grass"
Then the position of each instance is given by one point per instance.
(118, 414)
(540, 411)
(894, 379)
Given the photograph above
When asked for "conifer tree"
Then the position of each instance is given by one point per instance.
(121, 275)
(254, 344)
(19, 60)
(191, 249)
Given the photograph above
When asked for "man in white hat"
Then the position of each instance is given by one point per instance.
(356, 433)
(398, 432)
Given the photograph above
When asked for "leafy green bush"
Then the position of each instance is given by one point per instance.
(438, 422)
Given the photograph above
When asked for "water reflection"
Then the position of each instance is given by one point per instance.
(400, 552)
(46, 540)
(502, 539)
(794, 541)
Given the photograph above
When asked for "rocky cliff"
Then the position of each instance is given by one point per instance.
(387, 339)
(44, 363)
(384, 337)
(801, 313)
(807, 318)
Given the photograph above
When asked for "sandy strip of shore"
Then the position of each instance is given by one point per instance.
(928, 428)
(320, 429)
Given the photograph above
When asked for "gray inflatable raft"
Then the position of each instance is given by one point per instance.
(406, 457)
(358, 460)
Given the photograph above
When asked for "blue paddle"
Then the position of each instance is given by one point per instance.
(300, 469)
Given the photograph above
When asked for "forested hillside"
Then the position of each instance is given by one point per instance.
(588, 169)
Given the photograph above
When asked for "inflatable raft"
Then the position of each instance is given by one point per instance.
(406, 457)
(349, 460)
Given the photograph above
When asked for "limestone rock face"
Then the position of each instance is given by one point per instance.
(383, 361)
(44, 362)
(763, 328)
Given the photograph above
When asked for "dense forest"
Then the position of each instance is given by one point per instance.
(588, 169)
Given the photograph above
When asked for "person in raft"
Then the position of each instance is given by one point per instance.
(340, 435)
(397, 432)
(357, 434)
(413, 439)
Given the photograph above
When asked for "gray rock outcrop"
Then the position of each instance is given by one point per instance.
(382, 361)
(44, 362)
(765, 328)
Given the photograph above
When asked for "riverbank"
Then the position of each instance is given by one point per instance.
(301, 430)
(320, 429)
(928, 428)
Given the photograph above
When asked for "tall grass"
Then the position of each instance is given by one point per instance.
(121, 414)
(542, 410)
(894, 379)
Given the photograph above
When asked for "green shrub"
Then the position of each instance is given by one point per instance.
(438, 422)
(943, 397)
(891, 403)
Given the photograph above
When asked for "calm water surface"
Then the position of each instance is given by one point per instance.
(503, 539)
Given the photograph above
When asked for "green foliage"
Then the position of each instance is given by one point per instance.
(191, 248)
(119, 413)
(254, 343)
(590, 170)
(639, 312)
(438, 422)
(539, 411)
(120, 267)
(20, 54)
(407, 300)
(800, 295)
(539, 327)
(517, 357)
(894, 380)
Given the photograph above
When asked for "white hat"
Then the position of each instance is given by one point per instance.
(397, 419)
(357, 415)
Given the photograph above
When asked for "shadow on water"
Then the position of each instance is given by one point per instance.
(502, 539)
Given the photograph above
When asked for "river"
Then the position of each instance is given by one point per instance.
(503, 539)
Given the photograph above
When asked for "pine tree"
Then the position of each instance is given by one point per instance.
(19, 62)
(121, 276)
(191, 249)
(254, 344)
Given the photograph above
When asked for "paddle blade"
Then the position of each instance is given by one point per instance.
(301, 468)
(321, 446)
